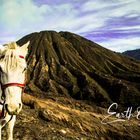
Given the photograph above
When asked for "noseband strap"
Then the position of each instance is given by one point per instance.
(13, 84)
(21, 56)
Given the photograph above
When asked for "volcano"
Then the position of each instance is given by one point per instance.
(66, 64)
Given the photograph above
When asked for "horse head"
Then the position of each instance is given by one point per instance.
(12, 75)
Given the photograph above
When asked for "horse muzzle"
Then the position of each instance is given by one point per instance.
(13, 109)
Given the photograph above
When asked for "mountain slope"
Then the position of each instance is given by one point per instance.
(65, 64)
(133, 53)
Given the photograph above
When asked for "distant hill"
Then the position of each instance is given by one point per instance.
(133, 53)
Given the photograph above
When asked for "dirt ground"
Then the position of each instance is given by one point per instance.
(68, 119)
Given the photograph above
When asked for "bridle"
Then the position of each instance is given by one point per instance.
(4, 86)
(12, 84)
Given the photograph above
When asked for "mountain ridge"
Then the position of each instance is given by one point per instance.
(133, 53)
(66, 64)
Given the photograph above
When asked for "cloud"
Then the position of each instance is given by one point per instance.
(121, 45)
(15, 13)
(118, 7)
(120, 20)
(16, 17)
(98, 20)
(22, 17)
(130, 8)
(6, 39)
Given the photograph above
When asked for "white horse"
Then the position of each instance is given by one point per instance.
(12, 78)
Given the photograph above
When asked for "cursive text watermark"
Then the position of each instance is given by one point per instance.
(121, 116)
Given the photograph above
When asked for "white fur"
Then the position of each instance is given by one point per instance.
(12, 71)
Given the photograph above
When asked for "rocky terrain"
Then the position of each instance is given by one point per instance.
(133, 53)
(68, 119)
(70, 83)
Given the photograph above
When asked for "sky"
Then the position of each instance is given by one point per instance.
(114, 24)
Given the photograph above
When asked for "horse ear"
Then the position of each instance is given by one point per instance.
(24, 48)
(2, 49)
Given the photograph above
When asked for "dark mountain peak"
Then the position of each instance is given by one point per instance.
(66, 64)
(133, 53)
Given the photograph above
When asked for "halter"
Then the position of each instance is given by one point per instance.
(12, 84)
(4, 86)
(21, 56)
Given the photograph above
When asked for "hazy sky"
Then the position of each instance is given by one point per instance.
(114, 24)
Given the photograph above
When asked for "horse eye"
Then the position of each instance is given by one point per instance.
(24, 70)
(0, 69)
(2, 56)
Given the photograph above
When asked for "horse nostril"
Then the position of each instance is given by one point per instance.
(20, 105)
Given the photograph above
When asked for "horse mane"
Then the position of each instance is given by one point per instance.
(11, 45)
(10, 57)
